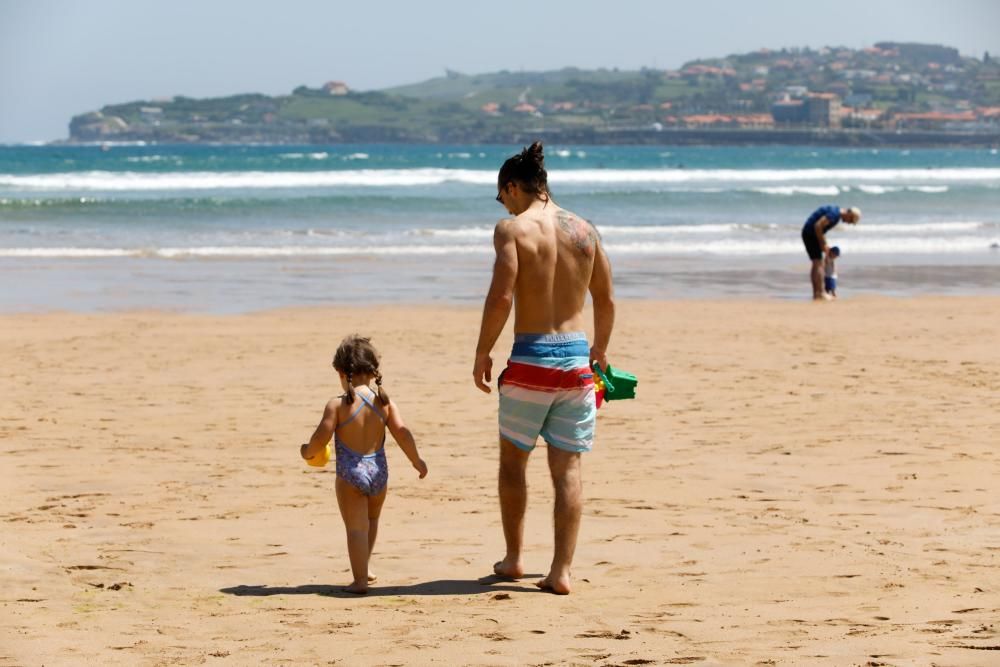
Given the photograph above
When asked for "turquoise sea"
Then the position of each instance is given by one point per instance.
(238, 228)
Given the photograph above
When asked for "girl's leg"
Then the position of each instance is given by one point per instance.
(374, 510)
(354, 509)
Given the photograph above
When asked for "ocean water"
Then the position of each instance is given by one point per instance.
(237, 228)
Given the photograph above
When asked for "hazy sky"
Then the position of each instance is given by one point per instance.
(63, 57)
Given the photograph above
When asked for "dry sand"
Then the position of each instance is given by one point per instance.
(797, 484)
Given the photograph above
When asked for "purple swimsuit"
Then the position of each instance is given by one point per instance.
(368, 473)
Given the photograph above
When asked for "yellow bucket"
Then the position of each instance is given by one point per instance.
(321, 459)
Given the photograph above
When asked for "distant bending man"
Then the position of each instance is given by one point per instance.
(547, 260)
(814, 232)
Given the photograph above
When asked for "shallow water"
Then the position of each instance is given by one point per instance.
(236, 228)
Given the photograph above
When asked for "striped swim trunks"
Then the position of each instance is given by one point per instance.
(547, 389)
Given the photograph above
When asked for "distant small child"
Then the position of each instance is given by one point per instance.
(830, 271)
(357, 421)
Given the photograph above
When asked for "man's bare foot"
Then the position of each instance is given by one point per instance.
(557, 585)
(372, 578)
(357, 589)
(514, 570)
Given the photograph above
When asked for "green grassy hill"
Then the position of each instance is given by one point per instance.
(888, 79)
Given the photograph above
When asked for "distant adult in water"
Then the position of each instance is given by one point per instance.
(547, 261)
(814, 232)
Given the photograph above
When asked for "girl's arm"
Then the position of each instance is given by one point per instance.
(404, 438)
(324, 431)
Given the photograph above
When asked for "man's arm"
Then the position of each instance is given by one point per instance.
(499, 301)
(820, 229)
(602, 294)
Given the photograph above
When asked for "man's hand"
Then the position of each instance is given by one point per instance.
(421, 468)
(600, 356)
(483, 368)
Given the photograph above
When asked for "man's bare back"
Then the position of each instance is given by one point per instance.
(547, 259)
(556, 252)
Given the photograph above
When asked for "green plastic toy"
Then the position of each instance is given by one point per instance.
(618, 384)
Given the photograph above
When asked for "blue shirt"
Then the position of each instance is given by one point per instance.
(831, 213)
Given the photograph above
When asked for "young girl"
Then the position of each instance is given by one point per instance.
(357, 422)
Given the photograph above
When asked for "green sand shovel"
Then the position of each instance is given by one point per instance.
(618, 384)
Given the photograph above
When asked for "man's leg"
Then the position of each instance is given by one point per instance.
(567, 481)
(513, 490)
(816, 274)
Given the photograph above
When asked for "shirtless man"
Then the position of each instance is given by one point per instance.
(547, 260)
(814, 232)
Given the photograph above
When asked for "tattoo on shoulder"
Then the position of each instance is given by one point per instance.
(583, 234)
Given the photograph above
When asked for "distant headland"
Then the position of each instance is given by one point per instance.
(887, 94)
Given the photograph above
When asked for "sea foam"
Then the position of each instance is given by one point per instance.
(774, 245)
(789, 181)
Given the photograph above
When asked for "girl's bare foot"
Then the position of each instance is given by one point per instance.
(372, 578)
(553, 584)
(503, 568)
(357, 589)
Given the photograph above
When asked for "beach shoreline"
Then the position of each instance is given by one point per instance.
(238, 286)
(797, 483)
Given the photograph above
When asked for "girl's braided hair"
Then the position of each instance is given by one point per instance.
(357, 356)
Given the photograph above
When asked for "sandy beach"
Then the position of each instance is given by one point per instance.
(796, 484)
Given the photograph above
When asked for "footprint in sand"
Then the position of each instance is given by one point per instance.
(604, 634)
